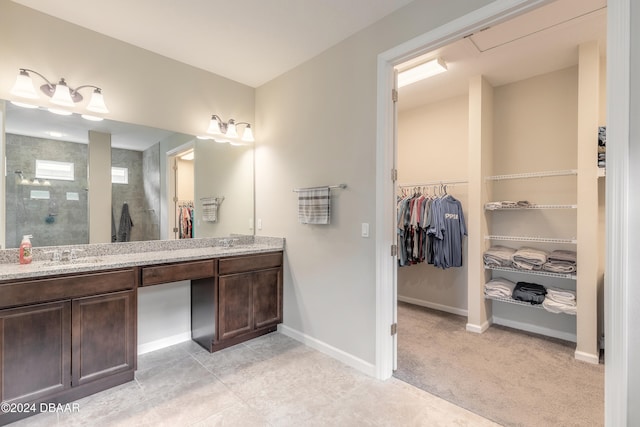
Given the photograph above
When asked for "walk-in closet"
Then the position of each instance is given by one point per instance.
(515, 132)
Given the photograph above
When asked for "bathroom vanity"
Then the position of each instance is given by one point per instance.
(68, 330)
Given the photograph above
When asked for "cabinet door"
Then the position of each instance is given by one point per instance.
(267, 297)
(35, 351)
(235, 313)
(103, 338)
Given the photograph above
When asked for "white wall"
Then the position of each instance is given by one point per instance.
(164, 315)
(318, 126)
(223, 170)
(433, 143)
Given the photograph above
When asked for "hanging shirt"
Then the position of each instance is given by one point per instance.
(449, 231)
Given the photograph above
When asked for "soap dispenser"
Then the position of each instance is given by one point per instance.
(25, 249)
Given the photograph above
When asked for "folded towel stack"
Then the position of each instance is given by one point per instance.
(498, 256)
(561, 261)
(506, 204)
(602, 146)
(529, 258)
(560, 301)
(499, 287)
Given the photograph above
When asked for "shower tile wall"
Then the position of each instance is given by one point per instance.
(58, 220)
(151, 171)
(144, 176)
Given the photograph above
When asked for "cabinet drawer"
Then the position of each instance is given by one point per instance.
(176, 272)
(249, 263)
(59, 288)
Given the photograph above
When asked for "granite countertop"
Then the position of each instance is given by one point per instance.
(95, 257)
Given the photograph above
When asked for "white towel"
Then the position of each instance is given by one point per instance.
(561, 295)
(558, 307)
(498, 256)
(314, 206)
(210, 209)
(529, 258)
(560, 301)
(499, 287)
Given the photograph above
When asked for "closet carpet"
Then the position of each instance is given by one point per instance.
(511, 377)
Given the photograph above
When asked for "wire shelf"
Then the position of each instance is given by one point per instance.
(570, 276)
(532, 175)
(531, 239)
(523, 303)
(514, 301)
(515, 208)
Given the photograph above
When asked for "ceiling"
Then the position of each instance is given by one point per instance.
(280, 34)
(539, 42)
(249, 41)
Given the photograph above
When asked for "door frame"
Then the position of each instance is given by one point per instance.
(617, 192)
(171, 157)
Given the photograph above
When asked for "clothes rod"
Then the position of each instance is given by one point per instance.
(341, 186)
(426, 184)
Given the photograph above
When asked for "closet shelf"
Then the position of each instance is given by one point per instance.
(533, 175)
(531, 239)
(515, 208)
(533, 272)
(516, 302)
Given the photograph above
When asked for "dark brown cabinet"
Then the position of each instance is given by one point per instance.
(59, 351)
(244, 302)
(235, 312)
(35, 351)
(103, 336)
(68, 336)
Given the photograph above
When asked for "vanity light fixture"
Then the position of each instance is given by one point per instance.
(226, 132)
(421, 71)
(61, 94)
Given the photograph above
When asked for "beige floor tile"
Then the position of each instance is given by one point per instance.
(271, 381)
(195, 404)
(239, 415)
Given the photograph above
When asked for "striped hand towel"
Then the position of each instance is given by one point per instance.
(314, 206)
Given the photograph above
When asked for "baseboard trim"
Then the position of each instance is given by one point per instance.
(587, 357)
(478, 329)
(164, 342)
(433, 305)
(567, 336)
(346, 358)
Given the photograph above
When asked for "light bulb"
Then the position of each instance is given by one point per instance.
(231, 130)
(96, 103)
(23, 86)
(214, 126)
(247, 136)
(62, 95)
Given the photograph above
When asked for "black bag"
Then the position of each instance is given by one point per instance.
(529, 292)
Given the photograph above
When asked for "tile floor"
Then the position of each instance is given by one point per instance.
(269, 381)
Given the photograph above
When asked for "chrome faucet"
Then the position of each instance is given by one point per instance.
(66, 255)
(227, 243)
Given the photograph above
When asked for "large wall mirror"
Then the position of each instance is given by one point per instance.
(166, 182)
